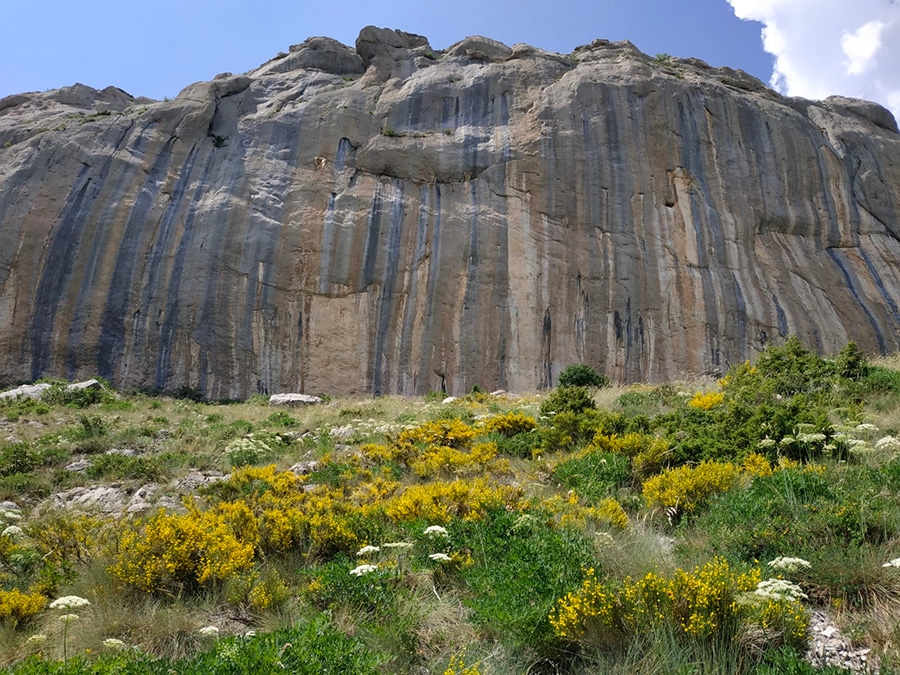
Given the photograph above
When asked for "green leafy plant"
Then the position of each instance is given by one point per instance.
(582, 375)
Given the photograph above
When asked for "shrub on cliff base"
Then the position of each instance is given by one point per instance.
(582, 375)
(568, 399)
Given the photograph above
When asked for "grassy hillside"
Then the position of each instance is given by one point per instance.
(687, 528)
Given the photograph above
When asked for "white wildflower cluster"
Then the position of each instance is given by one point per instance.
(113, 643)
(69, 602)
(368, 550)
(12, 515)
(360, 570)
(811, 438)
(892, 563)
(361, 427)
(68, 618)
(605, 539)
(789, 565)
(766, 443)
(779, 589)
(398, 544)
(12, 531)
(247, 444)
(859, 438)
(36, 639)
(436, 531)
(208, 631)
(888, 444)
(440, 557)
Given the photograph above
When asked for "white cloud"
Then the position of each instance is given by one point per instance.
(862, 46)
(825, 47)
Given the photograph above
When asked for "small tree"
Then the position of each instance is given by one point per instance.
(582, 375)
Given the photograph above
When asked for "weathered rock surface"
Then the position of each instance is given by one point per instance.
(357, 220)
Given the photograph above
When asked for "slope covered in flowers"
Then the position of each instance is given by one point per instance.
(641, 529)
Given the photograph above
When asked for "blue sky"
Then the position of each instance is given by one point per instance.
(810, 48)
(157, 49)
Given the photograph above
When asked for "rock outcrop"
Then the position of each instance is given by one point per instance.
(385, 218)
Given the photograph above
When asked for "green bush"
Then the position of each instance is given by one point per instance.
(282, 419)
(521, 566)
(118, 466)
(59, 394)
(800, 511)
(582, 375)
(375, 593)
(594, 475)
(568, 430)
(17, 458)
(568, 399)
(518, 445)
(793, 369)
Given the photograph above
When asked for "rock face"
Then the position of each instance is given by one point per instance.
(378, 219)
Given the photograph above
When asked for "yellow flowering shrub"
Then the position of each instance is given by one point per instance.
(17, 608)
(257, 592)
(686, 487)
(757, 465)
(629, 444)
(509, 424)
(279, 529)
(268, 593)
(324, 523)
(648, 453)
(787, 464)
(697, 604)
(452, 433)
(707, 400)
(67, 537)
(570, 512)
(381, 454)
(372, 491)
(259, 487)
(784, 619)
(440, 501)
(610, 512)
(437, 459)
(239, 519)
(174, 552)
(329, 530)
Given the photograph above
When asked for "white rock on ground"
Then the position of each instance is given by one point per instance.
(293, 399)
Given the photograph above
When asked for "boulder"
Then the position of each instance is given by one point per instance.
(293, 399)
(26, 391)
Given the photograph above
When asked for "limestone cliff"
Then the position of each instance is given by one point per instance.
(357, 220)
